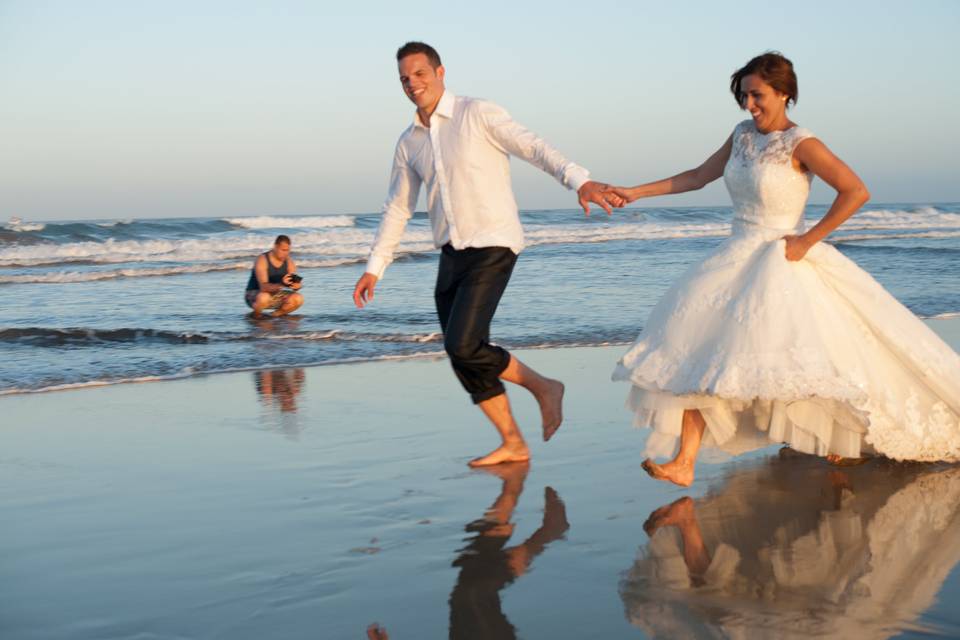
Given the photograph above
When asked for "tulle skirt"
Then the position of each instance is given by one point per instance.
(815, 354)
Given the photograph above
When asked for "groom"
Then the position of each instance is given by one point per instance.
(459, 148)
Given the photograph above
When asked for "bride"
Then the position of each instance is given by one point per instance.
(776, 336)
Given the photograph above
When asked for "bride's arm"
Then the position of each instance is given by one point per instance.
(690, 180)
(851, 194)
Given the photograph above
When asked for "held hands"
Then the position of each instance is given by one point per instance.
(626, 194)
(598, 193)
(797, 247)
(363, 292)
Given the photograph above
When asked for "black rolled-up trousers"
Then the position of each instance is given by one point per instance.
(470, 283)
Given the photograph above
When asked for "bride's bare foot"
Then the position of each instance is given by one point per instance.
(677, 512)
(551, 408)
(675, 471)
(503, 453)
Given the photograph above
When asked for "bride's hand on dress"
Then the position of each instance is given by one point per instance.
(797, 247)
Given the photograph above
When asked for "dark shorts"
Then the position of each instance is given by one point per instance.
(470, 283)
(276, 301)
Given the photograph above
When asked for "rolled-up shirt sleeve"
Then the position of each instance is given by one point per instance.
(399, 206)
(519, 141)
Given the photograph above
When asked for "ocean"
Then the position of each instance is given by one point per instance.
(110, 301)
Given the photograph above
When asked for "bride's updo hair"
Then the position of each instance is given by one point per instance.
(774, 69)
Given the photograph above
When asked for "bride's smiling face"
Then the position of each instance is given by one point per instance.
(767, 105)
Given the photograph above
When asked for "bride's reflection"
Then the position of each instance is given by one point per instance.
(792, 548)
(487, 564)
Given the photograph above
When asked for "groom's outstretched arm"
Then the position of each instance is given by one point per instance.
(399, 206)
(517, 140)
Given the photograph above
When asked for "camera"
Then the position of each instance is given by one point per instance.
(294, 278)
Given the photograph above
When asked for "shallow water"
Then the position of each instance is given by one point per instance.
(310, 503)
(107, 301)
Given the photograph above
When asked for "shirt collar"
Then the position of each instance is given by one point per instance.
(444, 108)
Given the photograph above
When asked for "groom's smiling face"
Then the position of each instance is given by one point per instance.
(421, 82)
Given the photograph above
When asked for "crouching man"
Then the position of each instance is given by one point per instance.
(274, 283)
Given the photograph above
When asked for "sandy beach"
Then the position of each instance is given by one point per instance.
(310, 503)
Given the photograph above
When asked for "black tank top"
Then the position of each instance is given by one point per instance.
(274, 274)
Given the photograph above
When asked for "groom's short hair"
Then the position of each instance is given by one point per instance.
(419, 47)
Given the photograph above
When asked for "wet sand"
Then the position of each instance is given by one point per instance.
(311, 503)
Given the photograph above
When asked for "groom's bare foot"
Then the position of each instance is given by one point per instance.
(551, 408)
(554, 513)
(515, 472)
(503, 453)
(677, 472)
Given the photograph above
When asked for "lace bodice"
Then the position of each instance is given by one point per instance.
(765, 188)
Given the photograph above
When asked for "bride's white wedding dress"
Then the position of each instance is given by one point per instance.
(813, 353)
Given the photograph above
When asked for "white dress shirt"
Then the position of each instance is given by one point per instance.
(463, 158)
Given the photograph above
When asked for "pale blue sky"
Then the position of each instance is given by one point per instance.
(139, 109)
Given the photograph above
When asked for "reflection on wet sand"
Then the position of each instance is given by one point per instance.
(279, 388)
(487, 565)
(269, 324)
(791, 547)
(376, 632)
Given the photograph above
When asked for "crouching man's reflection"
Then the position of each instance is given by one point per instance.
(279, 388)
(487, 564)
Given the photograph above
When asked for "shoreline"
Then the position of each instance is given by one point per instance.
(431, 355)
(946, 325)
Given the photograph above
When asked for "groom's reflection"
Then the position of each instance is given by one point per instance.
(487, 564)
(792, 548)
